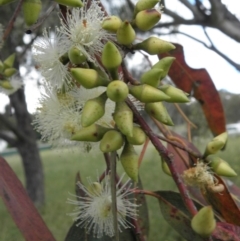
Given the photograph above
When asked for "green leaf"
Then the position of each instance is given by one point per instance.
(176, 214)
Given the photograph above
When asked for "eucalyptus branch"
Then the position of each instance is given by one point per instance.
(176, 144)
(13, 128)
(127, 76)
(12, 20)
(113, 167)
(10, 140)
(212, 47)
(168, 157)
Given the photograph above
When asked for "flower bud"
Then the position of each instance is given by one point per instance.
(95, 188)
(9, 72)
(93, 133)
(144, 4)
(88, 78)
(204, 223)
(220, 167)
(158, 111)
(151, 77)
(165, 167)
(9, 61)
(129, 160)
(31, 11)
(6, 84)
(76, 56)
(111, 57)
(146, 93)
(123, 117)
(111, 24)
(146, 19)
(164, 64)
(138, 137)
(154, 45)
(176, 95)
(93, 110)
(71, 3)
(111, 141)
(125, 33)
(216, 144)
(117, 91)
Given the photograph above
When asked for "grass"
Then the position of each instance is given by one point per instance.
(60, 169)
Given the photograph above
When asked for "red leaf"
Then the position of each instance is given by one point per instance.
(21, 208)
(224, 204)
(199, 82)
(226, 232)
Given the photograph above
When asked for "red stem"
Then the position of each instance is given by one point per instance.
(168, 157)
(12, 20)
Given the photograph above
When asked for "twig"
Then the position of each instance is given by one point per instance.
(127, 76)
(113, 166)
(143, 152)
(12, 20)
(184, 116)
(168, 157)
(212, 47)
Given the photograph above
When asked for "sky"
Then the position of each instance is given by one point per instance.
(223, 75)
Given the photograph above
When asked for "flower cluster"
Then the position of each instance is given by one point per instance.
(94, 209)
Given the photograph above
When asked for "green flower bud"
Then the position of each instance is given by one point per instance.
(146, 93)
(9, 61)
(146, 19)
(165, 167)
(138, 138)
(164, 64)
(129, 160)
(111, 57)
(125, 33)
(158, 111)
(111, 141)
(88, 78)
(93, 110)
(71, 3)
(31, 11)
(204, 223)
(6, 84)
(151, 77)
(144, 4)
(216, 144)
(93, 133)
(176, 95)
(9, 72)
(111, 24)
(95, 188)
(220, 167)
(117, 91)
(154, 45)
(76, 56)
(123, 117)
(3, 2)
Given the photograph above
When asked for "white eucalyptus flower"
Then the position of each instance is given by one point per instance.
(94, 210)
(47, 51)
(10, 86)
(59, 115)
(83, 29)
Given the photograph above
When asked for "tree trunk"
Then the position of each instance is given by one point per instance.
(28, 149)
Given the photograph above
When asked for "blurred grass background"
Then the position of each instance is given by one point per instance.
(60, 168)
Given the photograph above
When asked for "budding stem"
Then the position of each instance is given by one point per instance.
(113, 168)
(167, 157)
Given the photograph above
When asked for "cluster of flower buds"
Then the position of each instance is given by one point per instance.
(218, 165)
(91, 57)
(6, 71)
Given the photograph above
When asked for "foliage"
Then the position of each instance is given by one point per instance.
(90, 97)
